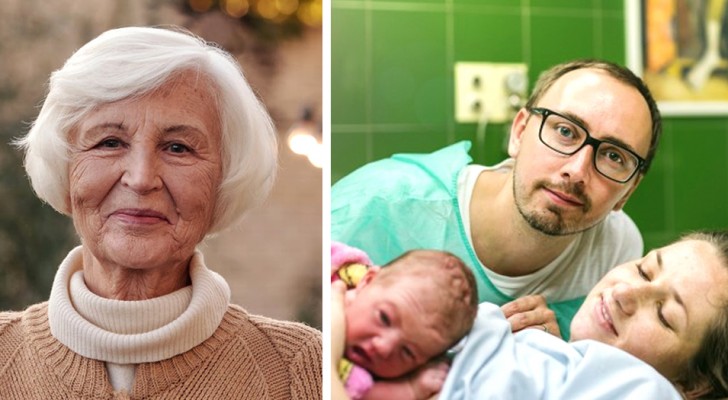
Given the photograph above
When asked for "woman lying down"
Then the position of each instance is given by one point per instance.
(655, 328)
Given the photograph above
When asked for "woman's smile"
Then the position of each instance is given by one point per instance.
(604, 317)
(139, 216)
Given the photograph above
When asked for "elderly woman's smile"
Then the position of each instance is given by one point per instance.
(139, 216)
(144, 176)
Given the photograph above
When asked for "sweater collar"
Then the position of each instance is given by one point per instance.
(132, 332)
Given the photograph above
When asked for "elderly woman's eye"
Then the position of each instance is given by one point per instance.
(110, 143)
(178, 148)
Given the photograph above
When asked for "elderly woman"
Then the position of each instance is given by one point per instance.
(150, 140)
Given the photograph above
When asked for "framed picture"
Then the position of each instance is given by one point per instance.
(680, 49)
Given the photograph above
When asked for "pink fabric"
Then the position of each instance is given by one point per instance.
(358, 383)
(342, 254)
(359, 380)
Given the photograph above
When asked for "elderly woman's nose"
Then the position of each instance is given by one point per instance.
(141, 170)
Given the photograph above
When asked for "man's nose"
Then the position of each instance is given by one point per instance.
(578, 165)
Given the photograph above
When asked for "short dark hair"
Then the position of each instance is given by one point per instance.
(616, 71)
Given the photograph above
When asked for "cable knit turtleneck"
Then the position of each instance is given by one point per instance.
(76, 345)
(125, 333)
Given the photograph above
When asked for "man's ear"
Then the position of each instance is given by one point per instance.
(623, 200)
(517, 128)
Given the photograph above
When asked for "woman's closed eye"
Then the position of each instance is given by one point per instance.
(659, 305)
(661, 317)
(642, 272)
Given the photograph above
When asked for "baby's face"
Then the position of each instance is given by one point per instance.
(389, 330)
(657, 308)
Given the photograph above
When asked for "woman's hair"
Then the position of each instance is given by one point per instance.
(130, 62)
(710, 364)
(618, 72)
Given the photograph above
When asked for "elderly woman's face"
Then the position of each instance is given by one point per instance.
(144, 175)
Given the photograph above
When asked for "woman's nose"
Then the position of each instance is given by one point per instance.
(141, 170)
(630, 297)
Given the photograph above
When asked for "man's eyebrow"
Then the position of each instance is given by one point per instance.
(619, 142)
(575, 118)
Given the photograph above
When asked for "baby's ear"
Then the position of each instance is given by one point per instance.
(368, 276)
(365, 280)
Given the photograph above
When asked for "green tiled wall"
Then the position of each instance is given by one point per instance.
(392, 88)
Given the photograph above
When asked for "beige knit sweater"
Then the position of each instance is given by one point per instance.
(246, 356)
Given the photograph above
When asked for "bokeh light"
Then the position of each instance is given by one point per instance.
(267, 9)
(310, 13)
(286, 7)
(201, 5)
(316, 155)
(301, 142)
(235, 8)
(277, 12)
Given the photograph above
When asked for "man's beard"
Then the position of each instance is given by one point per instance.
(551, 221)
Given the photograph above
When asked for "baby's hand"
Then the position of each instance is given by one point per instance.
(428, 380)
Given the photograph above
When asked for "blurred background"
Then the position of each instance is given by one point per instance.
(272, 261)
(394, 87)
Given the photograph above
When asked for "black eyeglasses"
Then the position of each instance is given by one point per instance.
(566, 136)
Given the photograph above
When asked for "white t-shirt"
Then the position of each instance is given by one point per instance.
(566, 275)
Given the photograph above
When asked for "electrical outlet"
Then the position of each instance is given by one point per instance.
(489, 91)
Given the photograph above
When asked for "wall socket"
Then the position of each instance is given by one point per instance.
(489, 90)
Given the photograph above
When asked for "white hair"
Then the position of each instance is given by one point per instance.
(132, 61)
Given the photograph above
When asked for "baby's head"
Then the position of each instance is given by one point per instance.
(409, 311)
(670, 309)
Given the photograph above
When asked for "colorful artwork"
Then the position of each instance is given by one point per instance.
(680, 48)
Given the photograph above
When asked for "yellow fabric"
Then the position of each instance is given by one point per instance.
(344, 369)
(352, 274)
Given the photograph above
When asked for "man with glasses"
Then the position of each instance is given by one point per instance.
(540, 228)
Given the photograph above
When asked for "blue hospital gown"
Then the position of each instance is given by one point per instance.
(532, 364)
